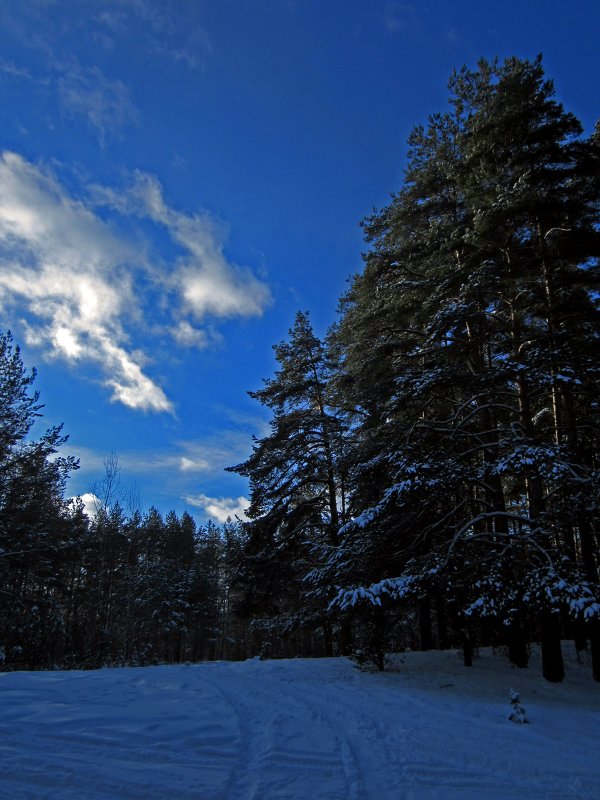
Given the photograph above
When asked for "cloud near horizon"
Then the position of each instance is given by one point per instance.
(220, 508)
(85, 290)
(91, 503)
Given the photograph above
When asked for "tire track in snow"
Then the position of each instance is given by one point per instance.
(352, 769)
(378, 768)
(293, 752)
(245, 763)
(423, 757)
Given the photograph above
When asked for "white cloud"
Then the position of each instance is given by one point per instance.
(208, 284)
(91, 504)
(252, 424)
(214, 454)
(87, 291)
(65, 266)
(220, 508)
(130, 386)
(193, 465)
(188, 336)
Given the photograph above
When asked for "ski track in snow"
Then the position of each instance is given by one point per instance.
(290, 730)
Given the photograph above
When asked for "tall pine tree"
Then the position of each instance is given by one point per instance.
(297, 501)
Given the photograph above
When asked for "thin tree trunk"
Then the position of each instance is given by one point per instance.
(327, 640)
(442, 622)
(345, 637)
(518, 651)
(552, 660)
(425, 632)
(467, 645)
(378, 643)
(595, 647)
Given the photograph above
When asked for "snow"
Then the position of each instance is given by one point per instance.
(320, 729)
(394, 587)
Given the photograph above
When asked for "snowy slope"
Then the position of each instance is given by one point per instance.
(300, 729)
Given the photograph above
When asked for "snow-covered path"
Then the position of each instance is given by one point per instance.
(296, 729)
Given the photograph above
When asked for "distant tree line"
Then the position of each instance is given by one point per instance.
(107, 589)
(432, 473)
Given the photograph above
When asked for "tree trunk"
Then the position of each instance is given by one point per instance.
(442, 622)
(327, 640)
(552, 661)
(345, 637)
(467, 646)
(579, 633)
(518, 652)
(425, 633)
(595, 647)
(379, 637)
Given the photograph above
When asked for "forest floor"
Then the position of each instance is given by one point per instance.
(430, 729)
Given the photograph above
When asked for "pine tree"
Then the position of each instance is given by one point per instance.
(469, 348)
(296, 486)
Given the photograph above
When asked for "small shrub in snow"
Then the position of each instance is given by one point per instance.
(517, 713)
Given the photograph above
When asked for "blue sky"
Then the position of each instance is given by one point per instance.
(179, 177)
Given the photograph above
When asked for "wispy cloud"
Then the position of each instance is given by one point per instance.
(250, 424)
(10, 69)
(164, 32)
(401, 18)
(220, 508)
(106, 105)
(207, 282)
(165, 29)
(209, 456)
(85, 288)
(186, 335)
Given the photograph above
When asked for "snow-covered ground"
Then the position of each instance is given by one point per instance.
(300, 729)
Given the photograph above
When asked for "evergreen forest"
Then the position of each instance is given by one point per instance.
(431, 478)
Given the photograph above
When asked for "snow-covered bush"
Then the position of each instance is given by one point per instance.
(517, 713)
